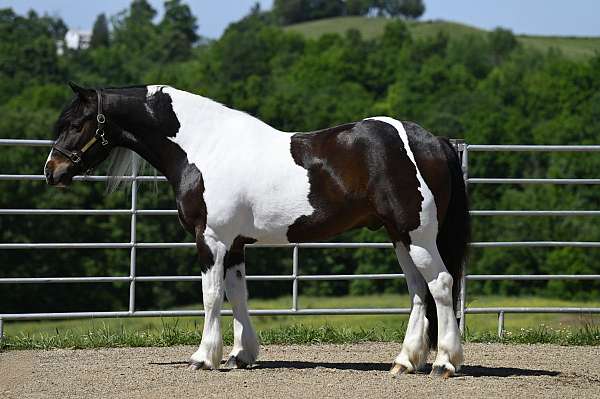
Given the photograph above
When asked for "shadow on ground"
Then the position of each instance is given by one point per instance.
(472, 371)
(466, 371)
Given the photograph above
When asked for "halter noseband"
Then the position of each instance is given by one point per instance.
(76, 157)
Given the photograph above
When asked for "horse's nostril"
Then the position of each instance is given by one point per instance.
(49, 175)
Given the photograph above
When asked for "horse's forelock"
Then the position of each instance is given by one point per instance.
(68, 113)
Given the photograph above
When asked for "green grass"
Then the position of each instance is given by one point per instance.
(571, 47)
(523, 328)
(171, 334)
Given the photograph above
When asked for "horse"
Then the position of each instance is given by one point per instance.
(237, 181)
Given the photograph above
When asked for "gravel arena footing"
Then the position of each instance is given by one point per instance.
(307, 371)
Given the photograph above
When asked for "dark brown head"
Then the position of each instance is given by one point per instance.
(83, 137)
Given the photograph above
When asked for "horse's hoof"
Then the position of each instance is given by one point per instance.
(194, 365)
(441, 371)
(398, 369)
(235, 363)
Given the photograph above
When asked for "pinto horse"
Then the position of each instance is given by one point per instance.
(238, 180)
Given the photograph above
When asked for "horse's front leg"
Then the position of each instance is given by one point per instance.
(209, 354)
(245, 345)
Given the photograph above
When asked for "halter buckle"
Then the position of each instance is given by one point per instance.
(75, 158)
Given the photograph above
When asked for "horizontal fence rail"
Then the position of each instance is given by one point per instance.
(133, 245)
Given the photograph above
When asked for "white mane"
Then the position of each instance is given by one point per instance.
(123, 163)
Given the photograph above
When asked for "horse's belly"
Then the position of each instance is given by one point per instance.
(257, 206)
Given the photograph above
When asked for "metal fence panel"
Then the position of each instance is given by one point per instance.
(133, 245)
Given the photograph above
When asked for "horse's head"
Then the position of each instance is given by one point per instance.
(84, 138)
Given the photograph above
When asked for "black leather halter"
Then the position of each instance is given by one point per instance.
(76, 157)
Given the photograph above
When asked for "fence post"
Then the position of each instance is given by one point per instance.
(463, 284)
(295, 281)
(1, 329)
(132, 256)
(500, 324)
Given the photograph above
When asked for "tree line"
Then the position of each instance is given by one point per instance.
(483, 88)
(294, 11)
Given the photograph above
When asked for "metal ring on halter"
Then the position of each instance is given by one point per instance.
(100, 133)
(101, 118)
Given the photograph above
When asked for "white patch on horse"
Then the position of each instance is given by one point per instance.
(152, 89)
(415, 346)
(149, 110)
(245, 344)
(48, 160)
(252, 185)
(210, 351)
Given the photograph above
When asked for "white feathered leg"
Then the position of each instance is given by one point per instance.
(210, 352)
(245, 345)
(429, 263)
(415, 347)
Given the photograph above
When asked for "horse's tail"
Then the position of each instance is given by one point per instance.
(453, 236)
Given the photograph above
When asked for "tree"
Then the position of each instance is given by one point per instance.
(100, 33)
(141, 10)
(411, 9)
(27, 51)
(290, 11)
(178, 30)
(503, 42)
(255, 9)
(319, 9)
(294, 11)
(134, 27)
(358, 7)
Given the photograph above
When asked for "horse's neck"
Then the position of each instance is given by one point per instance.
(210, 133)
(208, 121)
(171, 131)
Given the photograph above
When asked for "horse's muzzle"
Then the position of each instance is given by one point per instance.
(57, 173)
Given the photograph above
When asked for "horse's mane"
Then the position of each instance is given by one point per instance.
(122, 163)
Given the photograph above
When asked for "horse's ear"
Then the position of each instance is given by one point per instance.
(82, 92)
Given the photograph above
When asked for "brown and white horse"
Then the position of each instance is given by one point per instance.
(238, 180)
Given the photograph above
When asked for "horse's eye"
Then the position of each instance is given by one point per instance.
(76, 126)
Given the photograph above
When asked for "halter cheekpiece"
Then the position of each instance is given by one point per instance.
(76, 157)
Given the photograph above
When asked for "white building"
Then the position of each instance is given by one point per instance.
(75, 40)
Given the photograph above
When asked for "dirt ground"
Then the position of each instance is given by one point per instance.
(317, 371)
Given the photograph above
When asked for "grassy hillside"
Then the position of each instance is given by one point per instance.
(572, 47)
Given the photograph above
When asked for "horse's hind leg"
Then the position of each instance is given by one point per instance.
(427, 259)
(245, 345)
(415, 347)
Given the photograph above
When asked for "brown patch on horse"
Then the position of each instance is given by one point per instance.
(192, 211)
(360, 175)
(235, 255)
(426, 149)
